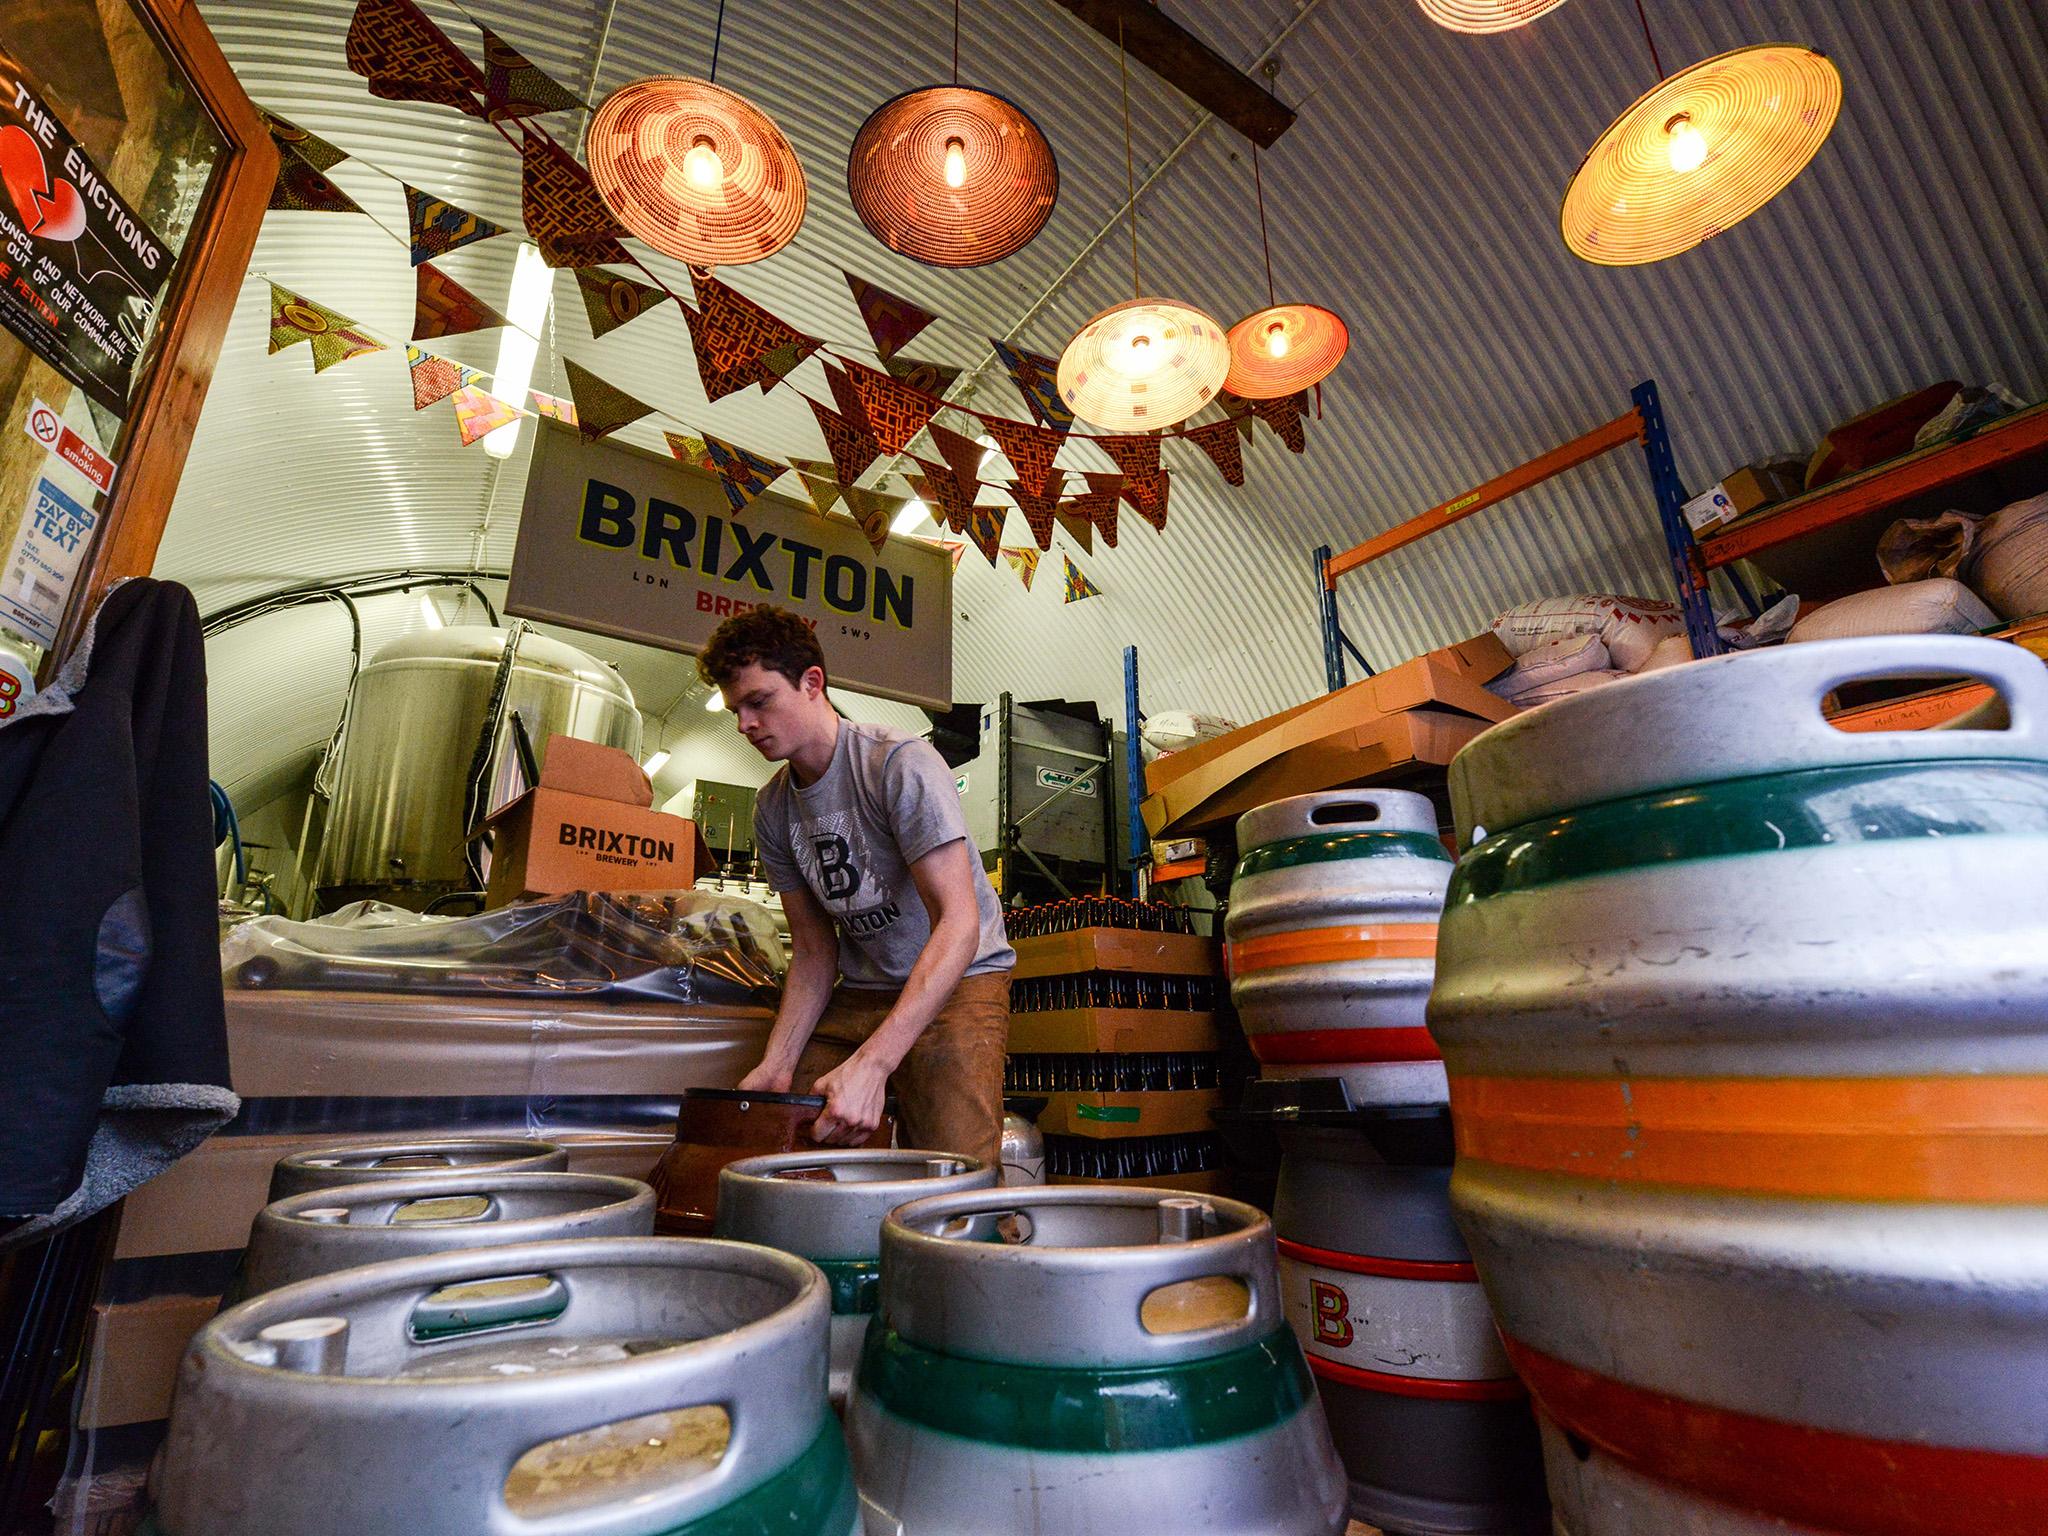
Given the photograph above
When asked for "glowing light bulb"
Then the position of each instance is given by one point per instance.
(1142, 355)
(956, 163)
(701, 166)
(1688, 146)
(1276, 339)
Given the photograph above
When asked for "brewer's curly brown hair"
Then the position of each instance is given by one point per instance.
(772, 637)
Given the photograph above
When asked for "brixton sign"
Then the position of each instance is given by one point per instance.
(618, 541)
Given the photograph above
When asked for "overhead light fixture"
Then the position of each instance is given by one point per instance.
(952, 176)
(526, 307)
(656, 763)
(912, 515)
(1486, 15)
(1284, 348)
(1700, 152)
(698, 172)
(1146, 362)
(429, 613)
(715, 702)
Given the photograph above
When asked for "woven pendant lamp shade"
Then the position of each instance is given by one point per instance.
(697, 172)
(1486, 15)
(1142, 364)
(1312, 342)
(897, 175)
(1700, 152)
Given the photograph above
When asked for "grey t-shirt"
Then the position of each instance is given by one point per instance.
(885, 802)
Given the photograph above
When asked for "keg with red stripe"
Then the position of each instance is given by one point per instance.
(1332, 940)
(1746, 1021)
(1433, 1428)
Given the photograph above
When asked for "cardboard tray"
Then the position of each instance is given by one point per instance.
(1116, 949)
(1115, 1031)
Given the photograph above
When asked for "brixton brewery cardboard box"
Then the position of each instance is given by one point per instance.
(588, 826)
(1422, 711)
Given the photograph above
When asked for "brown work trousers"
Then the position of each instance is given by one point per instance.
(949, 1089)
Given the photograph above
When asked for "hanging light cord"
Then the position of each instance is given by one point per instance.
(956, 41)
(1645, 19)
(1259, 190)
(1123, 62)
(717, 37)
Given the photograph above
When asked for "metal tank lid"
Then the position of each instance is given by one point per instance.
(1732, 717)
(829, 1203)
(480, 642)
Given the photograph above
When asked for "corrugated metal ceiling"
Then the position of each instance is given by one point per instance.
(1416, 195)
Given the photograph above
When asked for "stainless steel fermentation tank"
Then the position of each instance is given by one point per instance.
(394, 831)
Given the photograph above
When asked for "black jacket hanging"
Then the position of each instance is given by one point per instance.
(112, 1033)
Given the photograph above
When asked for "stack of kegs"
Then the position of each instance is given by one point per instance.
(1331, 933)
(1746, 1019)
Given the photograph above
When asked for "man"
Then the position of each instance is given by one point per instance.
(899, 970)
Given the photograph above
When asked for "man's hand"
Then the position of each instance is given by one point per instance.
(767, 1078)
(855, 1091)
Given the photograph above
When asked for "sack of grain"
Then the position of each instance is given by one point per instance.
(1565, 687)
(1937, 606)
(1550, 663)
(1172, 729)
(2010, 564)
(1671, 651)
(1629, 627)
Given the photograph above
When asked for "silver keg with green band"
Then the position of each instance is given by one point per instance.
(1081, 1358)
(602, 1386)
(827, 1206)
(361, 1163)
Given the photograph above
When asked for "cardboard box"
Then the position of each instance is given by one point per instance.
(1215, 1181)
(1353, 736)
(1117, 1031)
(1102, 1114)
(588, 826)
(1116, 949)
(1741, 492)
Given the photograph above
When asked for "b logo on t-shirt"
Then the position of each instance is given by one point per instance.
(836, 867)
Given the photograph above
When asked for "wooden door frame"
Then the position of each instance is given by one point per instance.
(163, 409)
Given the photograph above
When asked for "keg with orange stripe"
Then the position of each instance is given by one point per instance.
(1746, 1021)
(1332, 940)
(1433, 1428)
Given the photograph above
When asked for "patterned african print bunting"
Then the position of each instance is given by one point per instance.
(439, 227)
(435, 378)
(820, 483)
(601, 408)
(1039, 510)
(693, 451)
(1098, 505)
(443, 307)
(334, 336)
(554, 407)
(300, 188)
(1284, 416)
(955, 548)
(1219, 440)
(1078, 586)
(732, 336)
(932, 379)
(1137, 456)
(562, 211)
(1030, 450)
(516, 88)
(895, 412)
(478, 413)
(1037, 379)
(985, 531)
(405, 57)
(1240, 412)
(847, 399)
(963, 455)
(611, 299)
(874, 511)
(891, 320)
(1079, 529)
(778, 363)
(1024, 562)
(851, 448)
(951, 502)
(309, 147)
(744, 474)
(1148, 497)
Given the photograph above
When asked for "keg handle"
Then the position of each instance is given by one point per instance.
(483, 1305)
(2013, 672)
(1361, 809)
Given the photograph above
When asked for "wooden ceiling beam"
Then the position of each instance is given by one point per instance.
(1189, 65)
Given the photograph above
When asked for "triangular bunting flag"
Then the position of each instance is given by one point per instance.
(951, 502)
(690, 450)
(309, 147)
(955, 548)
(439, 227)
(405, 57)
(985, 530)
(1148, 497)
(1037, 379)
(847, 399)
(962, 454)
(301, 188)
(1240, 412)
(1219, 440)
(1079, 529)
(601, 408)
(932, 379)
(1030, 450)
(745, 474)
(891, 320)
(1284, 416)
(1136, 456)
(1097, 506)
(443, 307)
(611, 299)
(1039, 511)
(1145, 482)
(895, 412)
(559, 204)
(515, 87)
(435, 378)
(732, 335)
(1024, 562)
(851, 448)
(820, 482)
(554, 407)
(478, 413)
(334, 336)
(1078, 586)
(874, 511)
(780, 362)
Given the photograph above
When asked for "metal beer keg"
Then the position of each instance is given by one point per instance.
(1746, 1020)
(357, 1163)
(827, 1206)
(325, 1230)
(605, 1387)
(1332, 940)
(1075, 1359)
